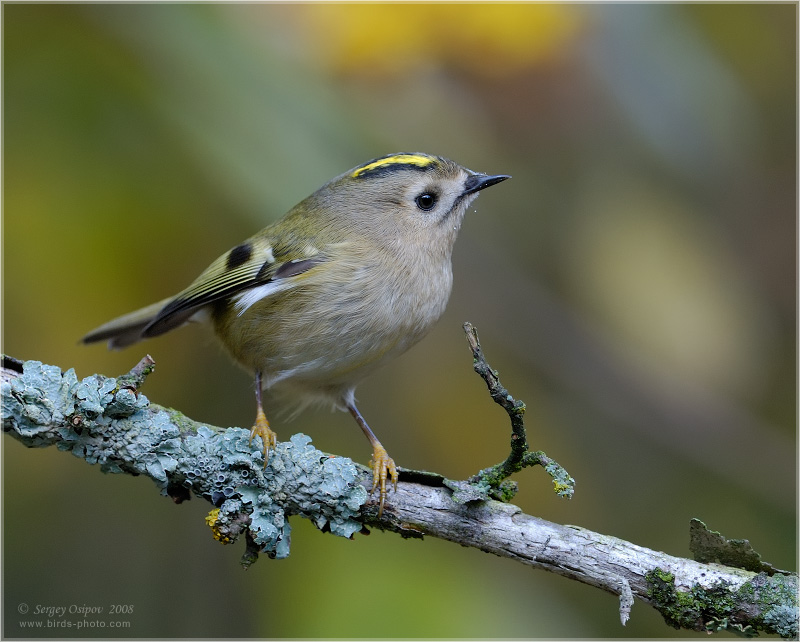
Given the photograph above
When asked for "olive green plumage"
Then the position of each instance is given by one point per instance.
(352, 276)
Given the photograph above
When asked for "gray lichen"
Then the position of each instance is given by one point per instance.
(783, 620)
(105, 421)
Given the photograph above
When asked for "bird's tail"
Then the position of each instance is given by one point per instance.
(127, 329)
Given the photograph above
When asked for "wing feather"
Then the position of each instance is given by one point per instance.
(251, 270)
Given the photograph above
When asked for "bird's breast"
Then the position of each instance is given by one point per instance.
(337, 324)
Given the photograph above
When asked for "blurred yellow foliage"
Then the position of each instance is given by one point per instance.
(485, 38)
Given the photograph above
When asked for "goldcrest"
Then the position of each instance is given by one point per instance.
(349, 278)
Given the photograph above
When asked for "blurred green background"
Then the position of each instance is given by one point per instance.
(634, 284)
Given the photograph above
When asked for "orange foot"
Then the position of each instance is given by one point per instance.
(268, 437)
(382, 467)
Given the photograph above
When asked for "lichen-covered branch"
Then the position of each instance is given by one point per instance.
(495, 477)
(107, 421)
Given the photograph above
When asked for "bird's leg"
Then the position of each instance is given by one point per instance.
(261, 427)
(382, 465)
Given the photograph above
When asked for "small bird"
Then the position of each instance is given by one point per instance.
(349, 278)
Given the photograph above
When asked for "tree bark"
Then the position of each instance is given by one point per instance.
(109, 422)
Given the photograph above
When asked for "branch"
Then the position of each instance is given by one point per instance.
(520, 456)
(109, 422)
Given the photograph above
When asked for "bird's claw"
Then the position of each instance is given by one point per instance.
(383, 468)
(269, 438)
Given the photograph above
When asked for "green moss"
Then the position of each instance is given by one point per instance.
(713, 609)
(688, 609)
(181, 421)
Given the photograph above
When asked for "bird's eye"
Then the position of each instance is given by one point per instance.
(426, 201)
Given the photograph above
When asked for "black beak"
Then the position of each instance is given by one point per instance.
(477, 182)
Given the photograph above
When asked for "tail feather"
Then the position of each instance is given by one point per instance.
(127, 329)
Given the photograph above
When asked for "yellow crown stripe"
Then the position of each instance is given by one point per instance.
(399, 159)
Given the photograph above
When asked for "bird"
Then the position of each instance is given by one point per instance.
(351, 277)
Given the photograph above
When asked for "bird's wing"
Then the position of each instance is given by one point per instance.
(247, 273)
